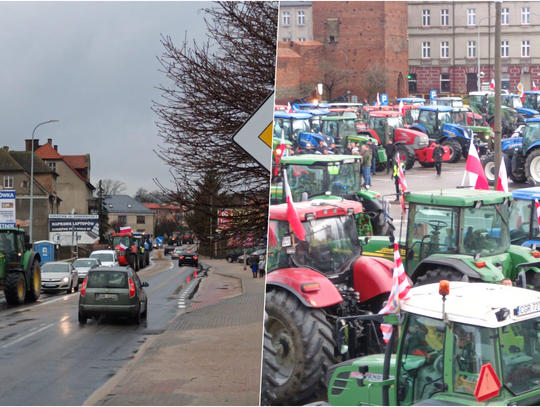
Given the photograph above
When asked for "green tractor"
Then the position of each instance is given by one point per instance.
(453, 344)
(337, 177)
(460, 235)
(20, 273)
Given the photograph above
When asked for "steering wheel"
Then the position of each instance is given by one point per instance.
(439, 364)
(437, 224)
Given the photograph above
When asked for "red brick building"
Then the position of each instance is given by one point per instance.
(350, 39)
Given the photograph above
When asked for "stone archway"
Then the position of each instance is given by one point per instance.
(401, 93)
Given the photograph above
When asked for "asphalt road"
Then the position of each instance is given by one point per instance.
(47, 358)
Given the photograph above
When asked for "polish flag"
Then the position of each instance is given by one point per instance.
(400, 292)
(292, 215)
(401, 108)
(378, 100)
(279, 152)
(492, 84)
(402, 183)
(477, 176)
(289, 108)
(125, 229)
(123, 246)
(534, 87)
(537, 210)
(502, 182)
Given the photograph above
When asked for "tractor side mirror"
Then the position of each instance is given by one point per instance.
(521, 280)
(410, 254)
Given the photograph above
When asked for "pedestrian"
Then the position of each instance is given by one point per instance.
(348, 150)
(307, 149)
(321, 146)
(507, 282)
(262, 266)
(395, 175)
(374, 152)
(438, 153)
(325, 151)
(254, 268)
(366, 165)
(334, 149)
(390, 153)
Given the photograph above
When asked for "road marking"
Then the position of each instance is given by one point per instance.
(22, 338)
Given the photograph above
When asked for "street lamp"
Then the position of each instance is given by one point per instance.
(478, 57)
(32, 181)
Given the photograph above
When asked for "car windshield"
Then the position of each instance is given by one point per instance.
(532, 101)
(7, 242)
(485, 230)
(84, 263)
(107, 279)
(346, 128)
(303, 178)
(514, 101)
(345, 178)
(103, 257)
(55, 268)
(520, 354)
(459, 118)
(520, 222)
(120, 240)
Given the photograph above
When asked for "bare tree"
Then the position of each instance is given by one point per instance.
(374, 80)
(113, 187)
(331, 78)
(215, 87)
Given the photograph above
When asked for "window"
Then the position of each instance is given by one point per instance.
(525, 15)
(286, 39)
(471, 49)
(504, 49)
(141, 219)
(525, 49)
(445, 83)
(122, 219)
(444, 18)
(471, 16)
(8, 181)
(505, 16)
(444, 49)
(426, 53)
(426, 20)
(286, 18)
(301, 18)
(301, 38)
(52, 165)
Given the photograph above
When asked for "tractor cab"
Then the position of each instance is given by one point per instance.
(452, 101)
(455, 344)
(514, 101)
(12, 244)
(411, 101)
(378, 120)
(532, 100)
(523, 222)
(291, 124)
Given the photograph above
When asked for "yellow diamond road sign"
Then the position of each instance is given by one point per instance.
(255, 135)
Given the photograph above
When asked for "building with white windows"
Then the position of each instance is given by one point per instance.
(446, 38)
(295, 21)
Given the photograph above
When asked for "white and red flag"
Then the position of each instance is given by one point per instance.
(534, 87)
(401, 107)
(289, 108)
(399, 293)
(537, 210)
(402, 183)
(502, 181)
(492, 84)
(123, 246)
(292, 215)
(125, 229)
(477, 176)
(279, 152)
(378, 100)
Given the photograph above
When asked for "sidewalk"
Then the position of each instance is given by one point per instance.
(210, 355)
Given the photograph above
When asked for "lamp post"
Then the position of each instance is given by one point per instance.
(32, 182)
(478, 58)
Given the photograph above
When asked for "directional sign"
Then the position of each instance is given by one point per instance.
(255, 135)
(159, 240)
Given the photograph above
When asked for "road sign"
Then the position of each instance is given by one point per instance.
(255, 135)
(488, 385)
(384, 100)
(159, 240)
(432, 96)
(8, 216)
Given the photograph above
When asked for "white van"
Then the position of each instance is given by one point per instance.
(108, 258)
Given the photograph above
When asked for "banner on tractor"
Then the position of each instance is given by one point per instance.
(72, 230)
(8, 217)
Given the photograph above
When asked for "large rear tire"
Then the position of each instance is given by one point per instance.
(455, 150)
(303, 340)
(532, 168)
(441, 273)
(269, 371)
(34, 283)
(15, 288)
(488, 163)
(407, 155)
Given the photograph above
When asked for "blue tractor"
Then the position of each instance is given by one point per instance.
(440, 123)
(523, 219)
(297, 129)
(514, 101)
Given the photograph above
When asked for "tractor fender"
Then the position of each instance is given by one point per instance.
(457, 131)
(293, 280)
(454, 263)
(533, 146)
(529, 243)
(33, 256)
(418, 127)
(372, 276)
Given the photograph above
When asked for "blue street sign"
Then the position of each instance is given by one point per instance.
(159, 239)
(384, 100)
(432, 96)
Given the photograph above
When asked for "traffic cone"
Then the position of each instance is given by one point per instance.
(195, 274)
(188, 279)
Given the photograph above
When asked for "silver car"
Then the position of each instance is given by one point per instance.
(83, 265)
(59, 275)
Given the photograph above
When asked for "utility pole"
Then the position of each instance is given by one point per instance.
(498, 84)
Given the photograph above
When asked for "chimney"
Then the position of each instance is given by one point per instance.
(49, 140)
(28, 144)
(56, 147)
(36, 144)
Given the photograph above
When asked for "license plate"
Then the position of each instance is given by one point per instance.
(188, 257)
(528, 308)
(49, 285)
(107, 296)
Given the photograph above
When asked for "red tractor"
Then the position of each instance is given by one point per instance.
(315, 290)
(128, 250)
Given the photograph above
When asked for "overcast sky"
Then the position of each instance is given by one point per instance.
(94, 67)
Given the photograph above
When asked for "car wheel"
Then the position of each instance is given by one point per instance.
(70, 289)
(77, 285)
(229, 259)
(179, 264)
(145, 313)
(196, 264)
(82, 319)
(137, 318)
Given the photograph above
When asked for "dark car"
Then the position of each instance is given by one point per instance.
(113, 292)
(249, 252)
(233, 256)
(188, 257)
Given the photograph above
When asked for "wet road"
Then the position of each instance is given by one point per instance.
(47, 358)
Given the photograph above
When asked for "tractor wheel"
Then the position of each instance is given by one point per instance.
(134, 262)
(518, 178)
(407, 155)
(381, 225)
(303, 340)
(35, 282)
(380, 167)
(15, 288)
(488, 163)
(455, 150)
(269, 371)
(532, 168)
(426, 164)
(441, 273)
